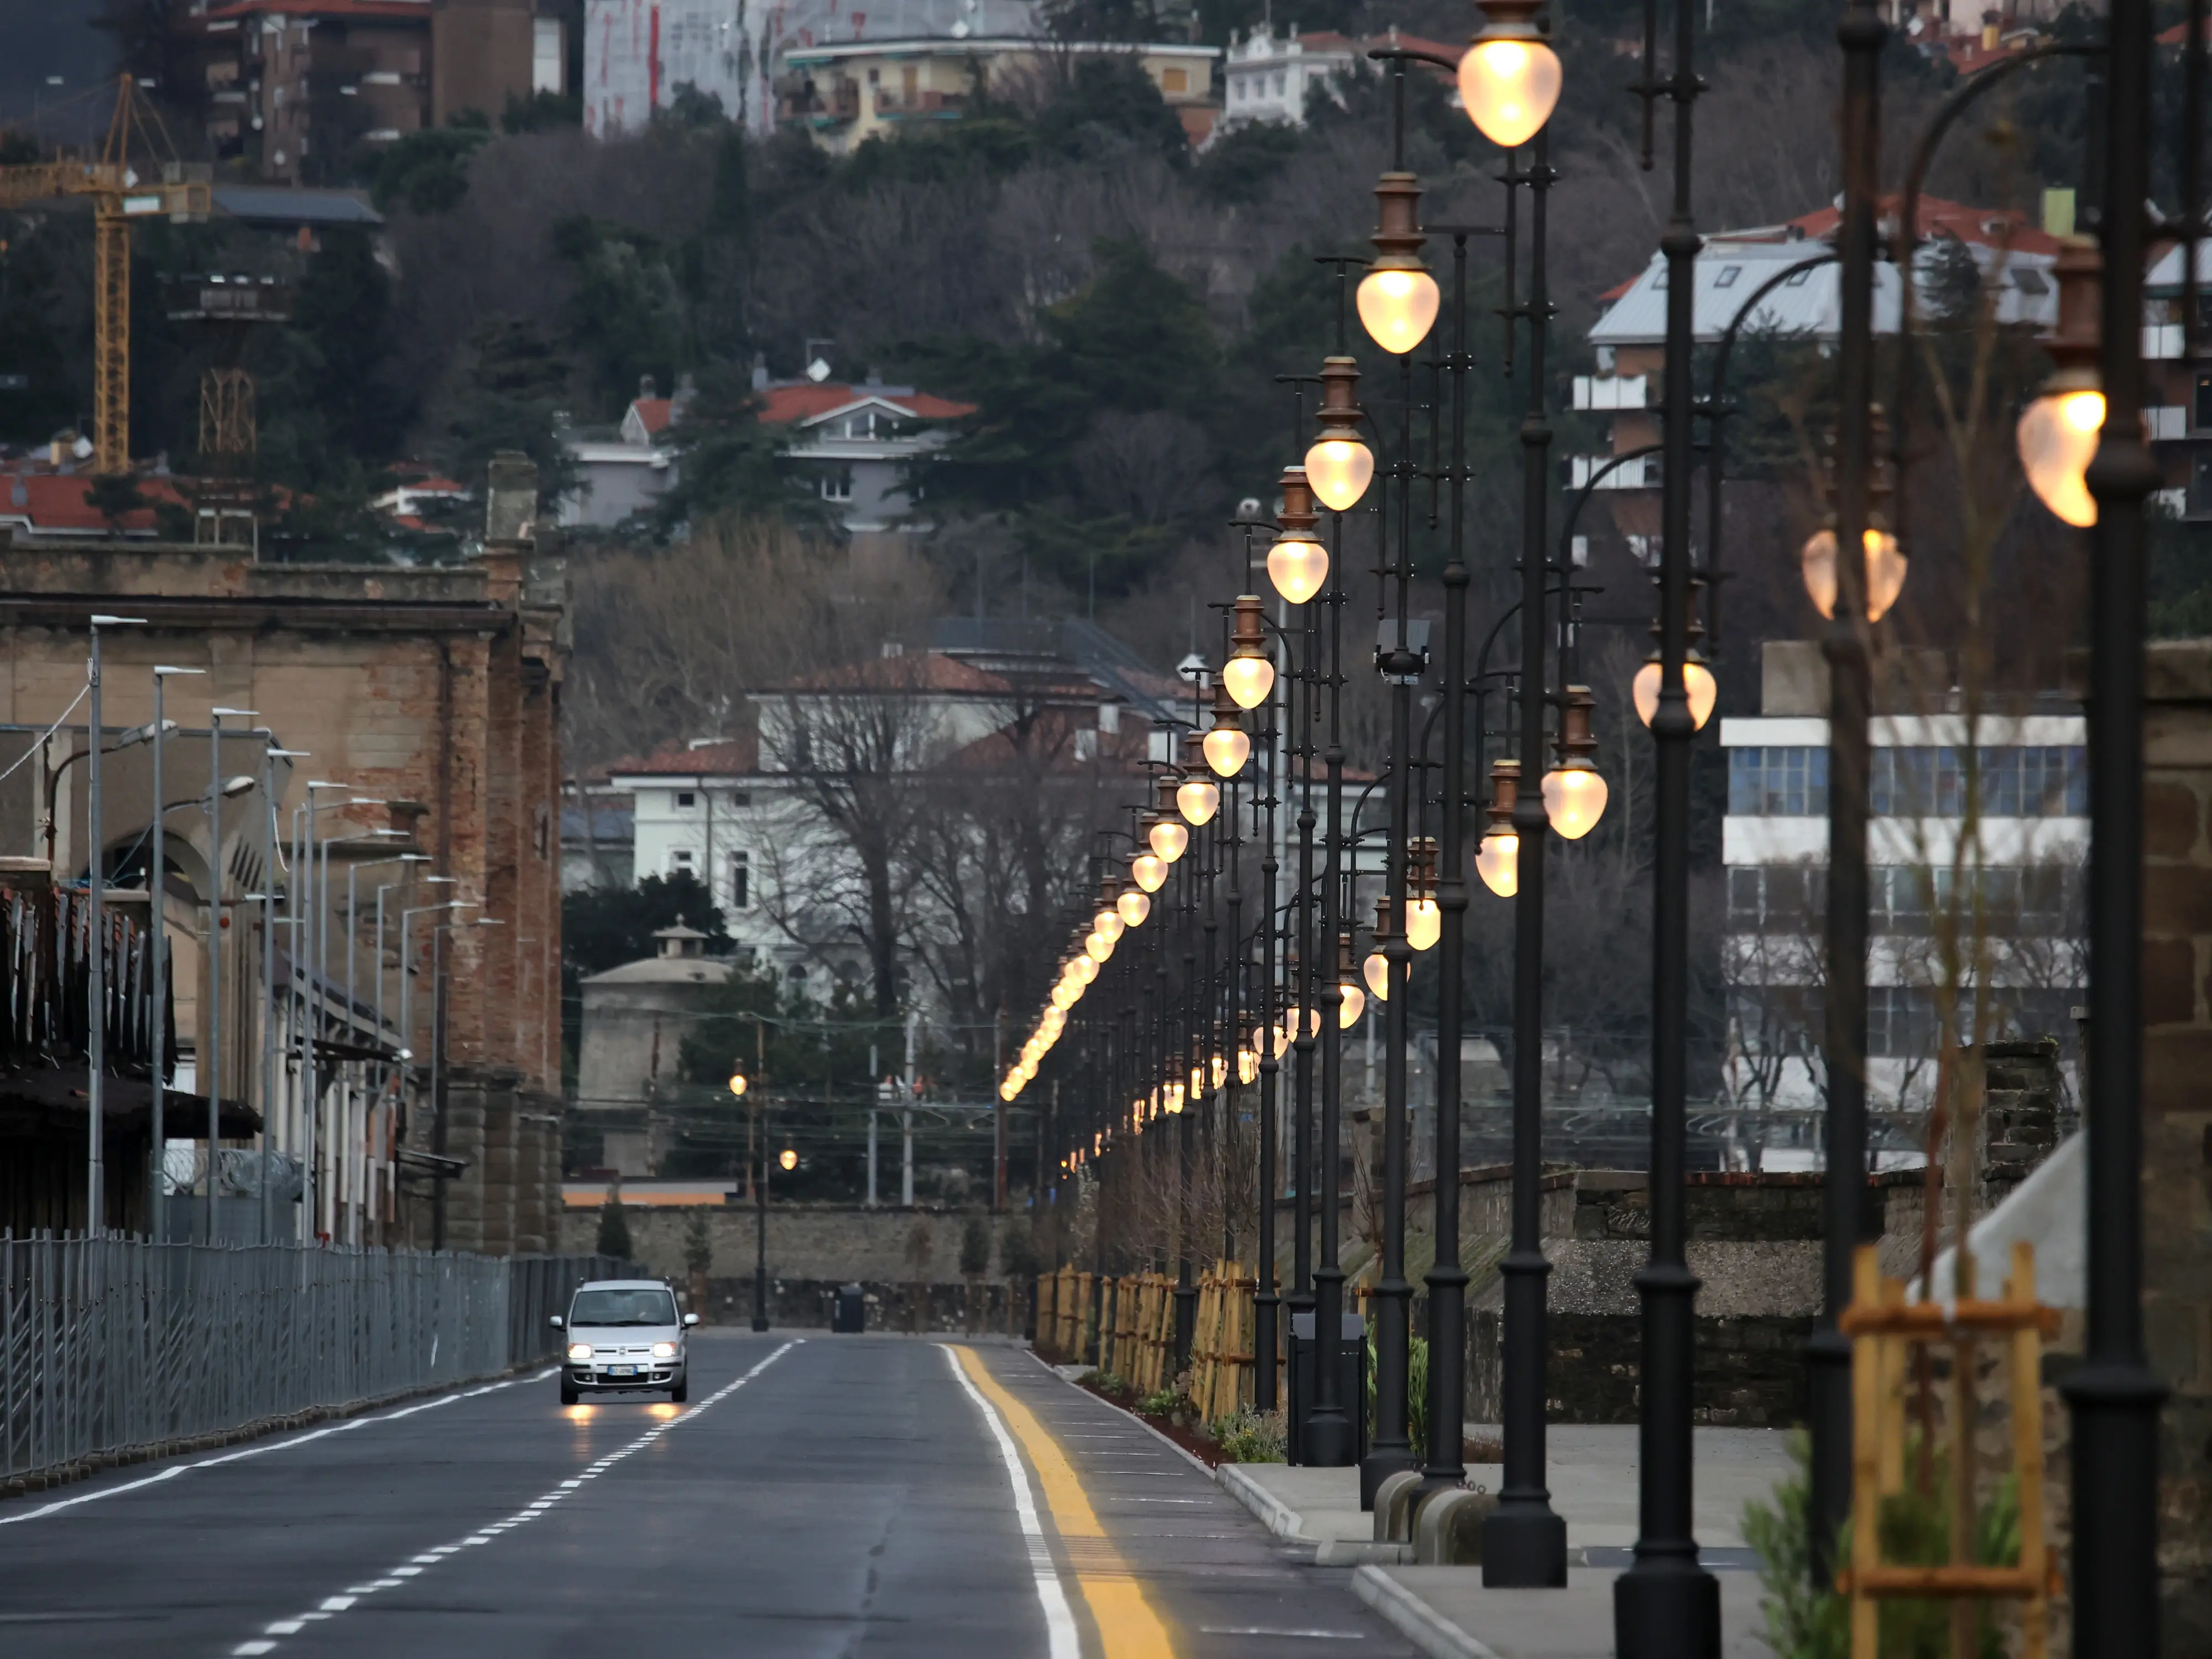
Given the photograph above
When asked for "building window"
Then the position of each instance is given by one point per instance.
(1279, 83)
(1900, 1023)
(2204, 410)
(1778, 781)
(2033, 781)
(1175, 80)
(685, 799)
(741, 892)
(680, 863)
(1776, 898)
(1729, 274)
(1797, 281)
(837, 486)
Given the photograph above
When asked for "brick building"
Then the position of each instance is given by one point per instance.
(432, 692)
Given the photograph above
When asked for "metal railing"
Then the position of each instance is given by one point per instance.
(109, 1345)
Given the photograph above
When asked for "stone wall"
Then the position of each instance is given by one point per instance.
(2177, 1056)
(812, 1249)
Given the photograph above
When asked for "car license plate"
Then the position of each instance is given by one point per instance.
(621, 1371)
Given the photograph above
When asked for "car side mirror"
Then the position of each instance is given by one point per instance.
(690, 1319)
(555, 1322)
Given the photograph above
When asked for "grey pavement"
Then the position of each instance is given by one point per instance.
(838, 1495)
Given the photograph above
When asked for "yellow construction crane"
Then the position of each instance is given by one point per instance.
(136, 175)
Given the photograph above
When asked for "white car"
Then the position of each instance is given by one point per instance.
(624, 1334)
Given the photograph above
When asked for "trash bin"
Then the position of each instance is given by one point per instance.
(849, 1312)
(1351, 1360)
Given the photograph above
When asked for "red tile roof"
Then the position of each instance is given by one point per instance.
(783, 405)
(653, 413)
(2005, 228)
(54, 502)
(724, 758)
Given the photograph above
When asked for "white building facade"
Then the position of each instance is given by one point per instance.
(1996, 918)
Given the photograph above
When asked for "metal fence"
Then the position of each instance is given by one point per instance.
(109, 1345)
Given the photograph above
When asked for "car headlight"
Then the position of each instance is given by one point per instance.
(664, 1351)
(579, 1351)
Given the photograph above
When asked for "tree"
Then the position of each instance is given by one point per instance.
(427, 171)
(115, 496)
(603, 928)
(513, 399)
(1104, 103)
(729, 463)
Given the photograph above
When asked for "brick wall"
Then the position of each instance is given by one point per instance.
(437, 687)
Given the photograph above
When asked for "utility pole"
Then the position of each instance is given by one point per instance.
(906, 1118)
(875, 1093)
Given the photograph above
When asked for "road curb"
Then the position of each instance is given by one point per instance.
(1414, 1619)
(51, 1475)
(1279, 1517)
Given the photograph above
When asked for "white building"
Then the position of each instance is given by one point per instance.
(2024, 869)
(1268, 77)
(851, 444)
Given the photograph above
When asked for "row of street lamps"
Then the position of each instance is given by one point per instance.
(1161, 1045)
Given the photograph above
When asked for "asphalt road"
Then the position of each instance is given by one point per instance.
(819, 1497)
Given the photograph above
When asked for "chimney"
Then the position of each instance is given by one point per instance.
(760, 373)
(510, 516)
(645, 386)
(1992, 31)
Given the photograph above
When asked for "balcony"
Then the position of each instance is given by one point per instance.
(805, 102)
(919, 105)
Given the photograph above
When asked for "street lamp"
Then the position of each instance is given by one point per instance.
(1297, 565)
(2059, 431)
(1575, 790)
(1424, 916)
(1197, 798)
(1376, 969)
(95, 1042)
(1228, 745)
(1340, 465)
(1397, 297)
(1249, 672)
(1510, 79)
(1135, 904)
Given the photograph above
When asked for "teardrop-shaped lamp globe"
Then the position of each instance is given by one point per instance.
(1643, 689)
(1885, 567)
(1086, 968)
(1339, 470)
(1354, 1005)
(1108, 925)
(1170, 840)
(1425, 923)
(2057, 438)
(1498, 861)
(1149, 870)
(1133, 908)
(1249, 679)
(1098, 947)
(1297, 566)
(1248, 1066)
(1509, 89)
(1696, 679)
(1574, 799)
(1375, 971)
(1198, 800)
(1398, 307)
(1227, 748)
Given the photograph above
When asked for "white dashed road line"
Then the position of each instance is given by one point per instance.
(176, 1469)
(397, 1577)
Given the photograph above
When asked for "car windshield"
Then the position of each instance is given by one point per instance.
(646, 1306)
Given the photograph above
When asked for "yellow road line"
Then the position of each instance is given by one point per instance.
(1127, 1624)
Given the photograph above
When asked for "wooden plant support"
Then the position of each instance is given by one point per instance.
(1884, 1329)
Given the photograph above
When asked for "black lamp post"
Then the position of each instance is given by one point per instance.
(2114, 1396)
(1862, 33)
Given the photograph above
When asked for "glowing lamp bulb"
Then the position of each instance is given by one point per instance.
(1885, 571)
(1297, 566)
(789, 1158)
(1133, 908)
(1509, 87)
(1339, 470)
(1169, 841)
(1248, 1066)
(1249, 679)
(2057, 438)
(1354, 1005)
(1398, 307)
(1108, 924)
(1098, 947)
(1149, 870)
(1574, 799)
(1199, 800)
(1425, 923)
(1375, 971)
(1227, 748)
(1060, 995)
(1086, 967)
(1696, 679)
(1498, 861)
(737, 1085)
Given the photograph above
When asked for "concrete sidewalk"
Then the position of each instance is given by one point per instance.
(1592, 1473)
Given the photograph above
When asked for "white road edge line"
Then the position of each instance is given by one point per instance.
(532, 1511)
(174, 1470)
(1059, 1617)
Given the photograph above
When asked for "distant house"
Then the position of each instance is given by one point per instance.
(851, 444)
(1629, 335)
(631, 1044)
(1267, 77)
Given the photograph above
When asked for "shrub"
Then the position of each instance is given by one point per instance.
(1250, 1436)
